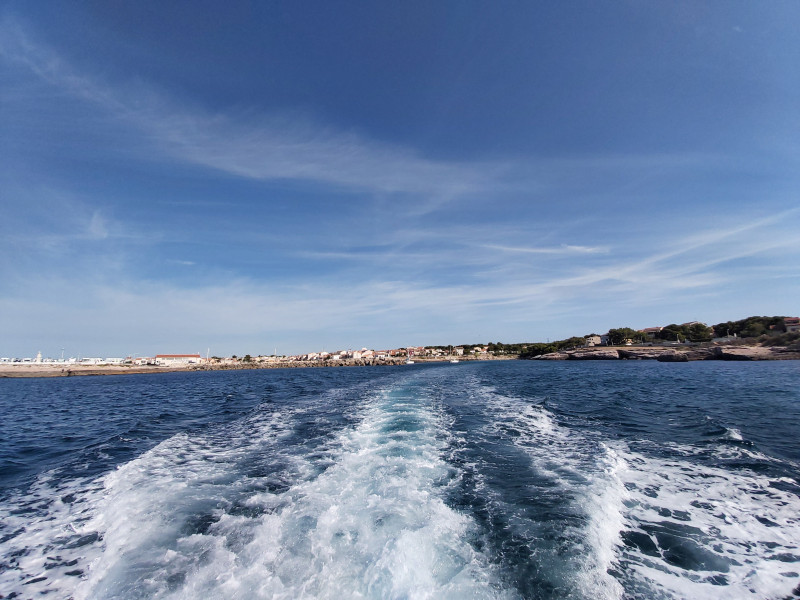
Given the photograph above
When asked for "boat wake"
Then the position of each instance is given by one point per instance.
(244, 512)
(438, 486)
(654, 521)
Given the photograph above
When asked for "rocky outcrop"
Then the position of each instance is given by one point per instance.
(677, 354)
(673, 356)
(553, 356)
(743, 353)
(592, 354)
(643, 353)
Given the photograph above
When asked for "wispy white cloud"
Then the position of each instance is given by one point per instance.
(408, 276)
(238, 314)
(185, 263)
(291, 146)
(41, 221)
(563, 249)
(278, 146)
(97, 227)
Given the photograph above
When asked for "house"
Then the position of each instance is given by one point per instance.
(167, 360)
(651, 332)
(593, 340)
(792, 323)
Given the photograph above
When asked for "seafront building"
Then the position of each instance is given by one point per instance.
(173, 360)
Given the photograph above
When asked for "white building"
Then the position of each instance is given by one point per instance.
(593, 340)
(166, 360)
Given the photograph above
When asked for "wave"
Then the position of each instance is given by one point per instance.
(255, 511)
(574, 485)
(694, 530)
(658, 526)
(438, 486)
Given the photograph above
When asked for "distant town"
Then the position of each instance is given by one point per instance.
(753, 330)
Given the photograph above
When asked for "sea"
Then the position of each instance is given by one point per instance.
(503, 479)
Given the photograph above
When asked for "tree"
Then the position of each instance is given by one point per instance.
(750, 327)
(754, 329)
(573, 342)
(672, 333)
(618, 336)
(538, 349)
(700, 332)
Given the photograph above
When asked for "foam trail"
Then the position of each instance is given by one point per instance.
(585, 478)
(44, 539)
(66, 534)
(641, 525)
(373, 524)
(695, 530)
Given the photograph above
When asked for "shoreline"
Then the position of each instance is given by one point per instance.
(38, 370)
(675, 354)
(658, 353)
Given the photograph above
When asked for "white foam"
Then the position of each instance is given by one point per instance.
(733, 434)
(745, 530)
(371, 523)
(67, 534)
(46, 538)
(587, 475)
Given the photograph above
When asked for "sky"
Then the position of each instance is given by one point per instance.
(251, 177)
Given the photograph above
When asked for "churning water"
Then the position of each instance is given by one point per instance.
(476, 480)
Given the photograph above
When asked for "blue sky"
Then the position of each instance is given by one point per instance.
(251, 176)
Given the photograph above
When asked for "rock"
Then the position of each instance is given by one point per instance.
(701, 354)
(553, 356)
(642, 353)
(673, 356)
(601, 354)
(742, 353)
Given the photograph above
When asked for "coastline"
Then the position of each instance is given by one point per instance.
(672, 354)
(34, 370)
(658, 353)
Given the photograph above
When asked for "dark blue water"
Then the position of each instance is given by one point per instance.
(512, 480)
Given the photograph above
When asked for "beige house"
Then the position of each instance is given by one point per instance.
(593, 340)
(651, 332)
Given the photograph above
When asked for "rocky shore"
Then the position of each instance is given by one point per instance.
(45, 370)
(672, 354)
(59, 370)
(659, 353)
